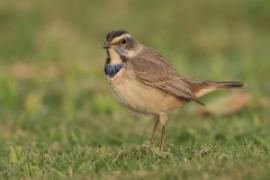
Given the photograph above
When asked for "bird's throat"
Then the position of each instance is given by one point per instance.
(112, 69)
(114, 57)
(114, 63)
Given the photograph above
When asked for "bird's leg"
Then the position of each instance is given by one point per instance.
(154, 130)
(163, 138)
(163, 120)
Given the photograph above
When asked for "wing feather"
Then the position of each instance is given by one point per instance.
(152, 69)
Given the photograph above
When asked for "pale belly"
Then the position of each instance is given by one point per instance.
(140, 97)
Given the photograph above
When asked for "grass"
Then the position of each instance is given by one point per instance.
(58, 119)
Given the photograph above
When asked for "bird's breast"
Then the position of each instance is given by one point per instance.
(137, 96)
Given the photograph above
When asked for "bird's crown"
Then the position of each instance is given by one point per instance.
(113, 34)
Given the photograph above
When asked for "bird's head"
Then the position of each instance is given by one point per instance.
(121, 42)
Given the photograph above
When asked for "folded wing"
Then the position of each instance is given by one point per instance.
(152, 69)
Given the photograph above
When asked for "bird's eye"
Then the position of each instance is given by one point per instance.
(124, 41)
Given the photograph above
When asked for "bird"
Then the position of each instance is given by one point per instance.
(144, 82)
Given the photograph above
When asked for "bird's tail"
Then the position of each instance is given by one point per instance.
(201, 88)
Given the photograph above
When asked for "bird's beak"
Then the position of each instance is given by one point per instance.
(106, 45)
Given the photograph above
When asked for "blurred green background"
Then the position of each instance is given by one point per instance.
(58, 118)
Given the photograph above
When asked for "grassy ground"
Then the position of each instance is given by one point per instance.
(58, 119)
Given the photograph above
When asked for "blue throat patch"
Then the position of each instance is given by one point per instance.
(112, 69)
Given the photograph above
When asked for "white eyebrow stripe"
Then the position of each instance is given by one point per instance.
(116, 39)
